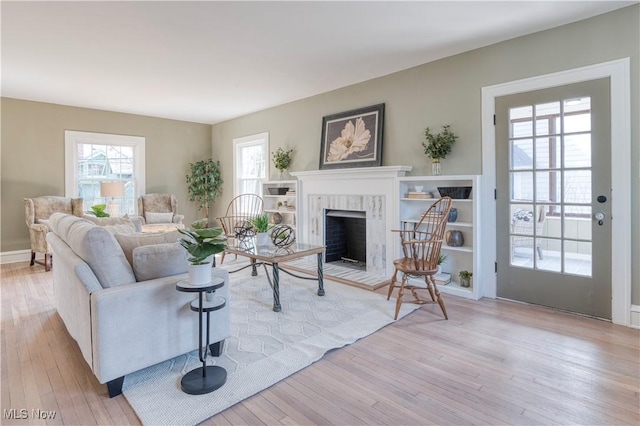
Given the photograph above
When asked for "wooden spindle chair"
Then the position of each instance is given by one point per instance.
(242, 208)
(421, 249)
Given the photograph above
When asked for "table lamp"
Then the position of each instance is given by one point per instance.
(112, 189)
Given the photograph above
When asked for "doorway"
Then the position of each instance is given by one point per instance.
(553, 209)
(619, 72)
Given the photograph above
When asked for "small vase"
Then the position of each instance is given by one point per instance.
(436, 167)
(453, 215)
(454, 238)
(465, 282)
(283, 174)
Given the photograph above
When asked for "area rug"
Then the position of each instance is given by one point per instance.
(265, 346)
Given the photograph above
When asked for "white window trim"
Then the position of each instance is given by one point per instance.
(247, 140)
(71, 140)
(619, 73)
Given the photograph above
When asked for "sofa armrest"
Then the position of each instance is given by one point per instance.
(159, 325)
(73, 283)
(178, 218)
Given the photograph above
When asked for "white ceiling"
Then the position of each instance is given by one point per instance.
(211, 61)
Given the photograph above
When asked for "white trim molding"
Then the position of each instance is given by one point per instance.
(15, 256)
(71, 140)
(619, 73)
(635, 316)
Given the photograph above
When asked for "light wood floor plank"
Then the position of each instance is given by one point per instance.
(494, 362)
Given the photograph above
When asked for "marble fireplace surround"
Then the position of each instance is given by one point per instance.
(373, 190)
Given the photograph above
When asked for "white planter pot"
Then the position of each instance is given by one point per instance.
(263, 238)
(199, 274)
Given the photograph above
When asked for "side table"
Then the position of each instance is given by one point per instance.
(203, 379)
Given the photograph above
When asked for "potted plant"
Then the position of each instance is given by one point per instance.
(465, 278)
(261, 225)
(204, 183)
(201, 244)
(98, 210)
(438, 146)
(441, 259)
(281, 161)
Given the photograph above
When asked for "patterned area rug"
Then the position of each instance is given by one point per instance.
(265, 346)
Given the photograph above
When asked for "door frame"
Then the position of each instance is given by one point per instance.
(619, 73)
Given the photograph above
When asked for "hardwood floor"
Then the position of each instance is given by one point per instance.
(493, 362)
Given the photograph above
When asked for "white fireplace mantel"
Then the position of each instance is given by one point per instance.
(354, 173)
(370, 189)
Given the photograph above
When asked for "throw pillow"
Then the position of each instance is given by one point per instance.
(159, 260)
(153, 217)
(128, 242)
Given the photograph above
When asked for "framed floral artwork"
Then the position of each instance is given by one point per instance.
(352, 138)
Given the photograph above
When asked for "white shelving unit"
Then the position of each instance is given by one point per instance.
(282, 203)
(461, 258)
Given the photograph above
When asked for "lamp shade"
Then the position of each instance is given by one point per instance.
(111, 189)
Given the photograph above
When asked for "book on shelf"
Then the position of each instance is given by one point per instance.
(291, 193)
(417, 195)
(442, 278)
(420, 195)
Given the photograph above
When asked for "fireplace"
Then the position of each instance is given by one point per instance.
(372, 190)
(345, 237)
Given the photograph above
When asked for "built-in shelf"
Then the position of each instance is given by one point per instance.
(458, 258)
(271, 201)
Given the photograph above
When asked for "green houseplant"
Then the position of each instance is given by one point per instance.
(261, 225)
(204, 183)
(438, 146)
(281, 160)
(202, 244)
(465, 278)
(98, 210)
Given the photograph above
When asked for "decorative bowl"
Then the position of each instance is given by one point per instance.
(278, 191)
(456, 192)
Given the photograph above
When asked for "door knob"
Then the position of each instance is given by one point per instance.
(599, 217)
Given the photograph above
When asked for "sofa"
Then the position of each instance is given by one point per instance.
(116, 294)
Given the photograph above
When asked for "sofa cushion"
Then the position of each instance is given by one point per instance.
(154, 217)
(130, 242)
(117, 224)
(159, 260)
(96, 246)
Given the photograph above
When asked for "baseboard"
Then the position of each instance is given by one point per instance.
(15, 256)
(635, 316)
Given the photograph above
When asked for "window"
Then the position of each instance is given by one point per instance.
(250, 163)
(94, 158)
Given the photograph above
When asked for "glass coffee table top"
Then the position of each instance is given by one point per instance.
(270, 252)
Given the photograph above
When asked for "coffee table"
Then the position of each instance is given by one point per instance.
(272, 255)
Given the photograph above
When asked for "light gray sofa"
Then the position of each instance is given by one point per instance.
(123, 324)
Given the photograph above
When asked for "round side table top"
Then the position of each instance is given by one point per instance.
(214, 284)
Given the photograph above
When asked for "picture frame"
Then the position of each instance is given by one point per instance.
(352, 138)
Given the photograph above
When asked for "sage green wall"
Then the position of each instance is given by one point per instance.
(33, 155)
(449, 91)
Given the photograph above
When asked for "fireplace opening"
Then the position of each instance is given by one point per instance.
(345, 238)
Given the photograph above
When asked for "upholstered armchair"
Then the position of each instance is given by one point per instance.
(37, 212)
(159, 212)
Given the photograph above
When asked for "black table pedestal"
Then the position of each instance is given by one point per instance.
(198, 382)
(207, 378)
